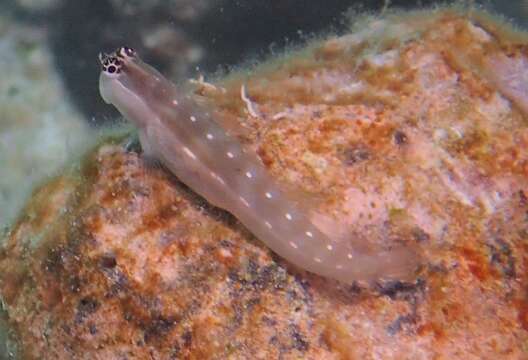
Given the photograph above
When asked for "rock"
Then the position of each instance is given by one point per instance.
(398, 131)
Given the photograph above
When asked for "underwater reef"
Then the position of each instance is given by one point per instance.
(411, 129)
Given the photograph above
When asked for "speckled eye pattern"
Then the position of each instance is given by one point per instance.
(112, 63)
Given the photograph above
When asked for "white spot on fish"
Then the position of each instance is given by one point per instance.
(218, 178)
(193, 119)
(309, 234)
(249, 175)
(268, 224)
(210, 136)
(189, 152)
(244, 201)
(230, 155)
(349, 256)
(268, 195)
(329, 247)
(293, 245)
(339, 267)
(316, 259)
(174, 102)
(288, 216)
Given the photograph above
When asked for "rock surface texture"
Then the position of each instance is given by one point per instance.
(412, 129)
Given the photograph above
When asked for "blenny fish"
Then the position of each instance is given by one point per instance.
(186, 138)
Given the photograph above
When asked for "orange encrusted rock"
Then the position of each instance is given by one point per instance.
(399, 133)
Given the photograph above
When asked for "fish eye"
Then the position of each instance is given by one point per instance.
(126, 52)
(130, 51)
(110, 64)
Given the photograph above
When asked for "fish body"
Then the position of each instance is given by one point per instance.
(193, 146)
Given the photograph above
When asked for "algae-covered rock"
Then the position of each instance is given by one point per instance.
(401, 132)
